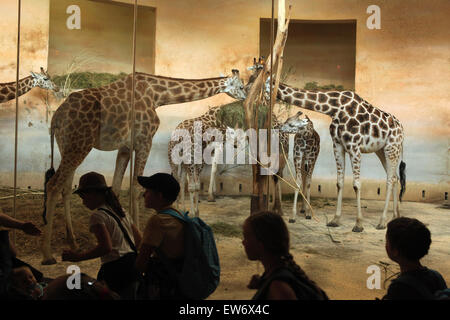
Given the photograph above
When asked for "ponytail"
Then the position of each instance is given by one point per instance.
(290, 263)
(113, 202)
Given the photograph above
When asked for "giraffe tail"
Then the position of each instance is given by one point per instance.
(48, 175)
(402, 179)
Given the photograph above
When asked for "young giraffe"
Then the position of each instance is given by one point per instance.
(101, 118)
(306, 150)
(356, 127)
(42, 80)
(210, 127)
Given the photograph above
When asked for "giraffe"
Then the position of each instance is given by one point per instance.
(356, 127)
(283, 152)
(42, 80)
(306, 150)
(210, 128)
(100, 118)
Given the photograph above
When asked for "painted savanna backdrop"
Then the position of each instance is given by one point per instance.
(399, 68)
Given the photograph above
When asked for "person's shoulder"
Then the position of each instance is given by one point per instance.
(281, 290)
(99, 215)
(167, 217)
(399, 290)
(436, 275)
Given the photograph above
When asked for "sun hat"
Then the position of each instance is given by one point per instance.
(91, 181)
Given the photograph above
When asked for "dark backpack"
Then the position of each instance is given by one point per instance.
(200, 272)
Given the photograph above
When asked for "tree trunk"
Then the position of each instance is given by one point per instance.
(259, 199)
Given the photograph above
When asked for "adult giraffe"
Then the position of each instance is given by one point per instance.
(41, 80)
(356, 127)
(100, 118)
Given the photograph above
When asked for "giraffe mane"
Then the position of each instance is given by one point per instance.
(180, 79)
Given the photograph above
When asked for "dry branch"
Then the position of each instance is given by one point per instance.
(254, 98)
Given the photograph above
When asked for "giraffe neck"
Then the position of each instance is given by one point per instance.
(326, 102)
(214, 115)
(8, 90)
(171, 91)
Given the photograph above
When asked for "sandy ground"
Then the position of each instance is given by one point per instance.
(336, 258)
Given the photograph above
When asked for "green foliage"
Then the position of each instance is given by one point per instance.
(226, 229)
(83, 80)
(234, 113)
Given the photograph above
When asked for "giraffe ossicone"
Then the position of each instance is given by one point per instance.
(41, 80)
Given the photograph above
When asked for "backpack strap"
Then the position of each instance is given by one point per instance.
(174, 213)
(125, 233)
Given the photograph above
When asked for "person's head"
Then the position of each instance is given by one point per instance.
(94, 192)
(407, 239)
(265, 233)
(23, 278)
(161, 190)
(90, 289)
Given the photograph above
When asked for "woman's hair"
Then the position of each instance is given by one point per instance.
(113, 202)
(271, 230)
(410, 237)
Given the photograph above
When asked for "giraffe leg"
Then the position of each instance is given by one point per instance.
(191, 190)
(212, 179)
(52, 196)
(304, 176)
(140, 160)
(175, 174)
(277, 196)
(394, 197)
(391, 165)
(294, 207)
(339, 155)
(183, 176)
(123, 157)
(60, 181)
(356, 165)
(66, 194)
(197, 188)
(307, 187)
(382, 157)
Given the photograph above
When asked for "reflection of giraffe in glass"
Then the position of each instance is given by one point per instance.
(209, 130)
(41, 80)
(101, 118)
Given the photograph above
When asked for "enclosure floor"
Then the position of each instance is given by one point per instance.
(336, 258)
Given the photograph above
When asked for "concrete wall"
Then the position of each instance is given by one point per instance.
(399, 68)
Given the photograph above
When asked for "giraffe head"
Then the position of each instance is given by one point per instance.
(43, 80)
(234, 87)
(295, 125)
(256, 69)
